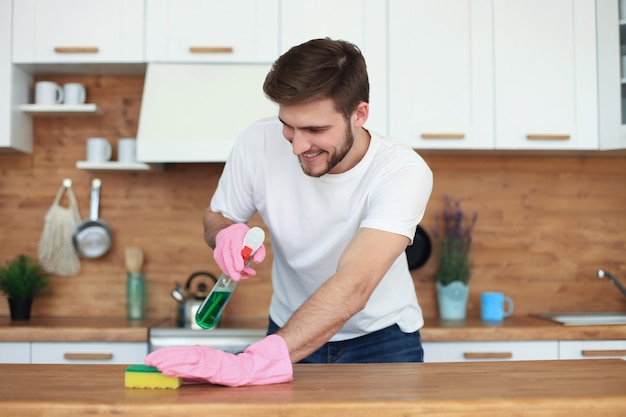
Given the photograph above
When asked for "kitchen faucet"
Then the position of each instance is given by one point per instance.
(602, 273)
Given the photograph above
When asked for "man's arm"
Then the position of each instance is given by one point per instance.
(361, 267)
(213, 222)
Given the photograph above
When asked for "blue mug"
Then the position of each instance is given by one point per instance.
(492, 306)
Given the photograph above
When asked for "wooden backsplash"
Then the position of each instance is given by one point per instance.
(545, 225)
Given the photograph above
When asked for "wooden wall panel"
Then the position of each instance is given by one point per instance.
(546, 224)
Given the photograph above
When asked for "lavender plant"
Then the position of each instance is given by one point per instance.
(454, 237)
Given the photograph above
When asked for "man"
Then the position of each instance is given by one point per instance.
(340, 214)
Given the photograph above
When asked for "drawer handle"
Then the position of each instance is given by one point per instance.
(76, 49)
(488, 355)
(443, 135)
(534, 136)
(88, 356)
(617, 352)
(211, 49)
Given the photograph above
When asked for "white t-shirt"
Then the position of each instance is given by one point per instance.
(312, 220)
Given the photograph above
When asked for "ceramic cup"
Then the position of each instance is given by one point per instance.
(98, 150)
(492, 306)
(127, 150)
(74, 93)
(48, 93)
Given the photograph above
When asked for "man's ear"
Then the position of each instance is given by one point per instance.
(361, 114)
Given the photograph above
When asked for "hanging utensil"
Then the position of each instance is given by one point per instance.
(56, 251)
(418, 253)
(93, 237)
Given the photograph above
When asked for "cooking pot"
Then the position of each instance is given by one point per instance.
(418, 253)
(192, 298)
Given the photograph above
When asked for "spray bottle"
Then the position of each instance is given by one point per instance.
(210, 311)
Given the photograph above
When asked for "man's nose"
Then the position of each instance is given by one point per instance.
(299, 142)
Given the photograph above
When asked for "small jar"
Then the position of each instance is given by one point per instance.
(135, 296)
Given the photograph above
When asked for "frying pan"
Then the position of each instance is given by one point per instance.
(418, 253)
(92, 237)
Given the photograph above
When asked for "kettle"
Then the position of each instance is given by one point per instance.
(189, 299)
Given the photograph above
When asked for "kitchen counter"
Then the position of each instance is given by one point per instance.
(40, 329)
(514, 328)
(554, 388)
(57, 329)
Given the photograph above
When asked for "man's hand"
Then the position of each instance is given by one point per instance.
(264, 362)
(227, 253)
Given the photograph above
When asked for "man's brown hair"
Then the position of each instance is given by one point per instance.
(318, 69)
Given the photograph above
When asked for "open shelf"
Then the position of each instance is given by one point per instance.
(118, 166)
(61, 109)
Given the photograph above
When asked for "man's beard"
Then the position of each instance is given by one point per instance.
(336, 158)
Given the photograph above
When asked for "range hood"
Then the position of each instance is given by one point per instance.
(193, 112)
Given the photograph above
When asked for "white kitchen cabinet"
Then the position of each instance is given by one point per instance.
(14, 352)
(361, 22)
(16, 128)
(441, 73)
(545, 68)
(89, 352)
(592, 349)
(78, 31)
(235, 31)
(490, 351)
(505, 75)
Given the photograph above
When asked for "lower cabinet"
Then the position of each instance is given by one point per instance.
(490, 351)
(15, 352)
(89, 352)
(592, 349)
(73, 352)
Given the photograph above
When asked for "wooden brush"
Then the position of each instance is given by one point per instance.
(134, 259)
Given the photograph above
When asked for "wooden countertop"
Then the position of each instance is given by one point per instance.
(554, 388)
(56, 329)
(514, 328)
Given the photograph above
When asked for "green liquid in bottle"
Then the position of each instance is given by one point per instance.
(210, 312)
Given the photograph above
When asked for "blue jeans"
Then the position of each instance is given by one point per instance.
(383, 346)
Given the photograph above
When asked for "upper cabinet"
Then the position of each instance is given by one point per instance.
(506, 74)
(361, 22)
(16, 128)
(234, 31)
(441, 73)
(546, 94)
(78, 31)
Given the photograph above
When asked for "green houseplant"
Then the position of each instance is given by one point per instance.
(22, 279)
(454, 238)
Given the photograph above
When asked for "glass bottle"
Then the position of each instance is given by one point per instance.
(135, 296)
(210, 311)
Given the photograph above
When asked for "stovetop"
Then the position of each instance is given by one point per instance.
(231, 336)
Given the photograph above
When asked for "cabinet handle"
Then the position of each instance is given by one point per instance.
(88, 356)
(617, 352)
(443, 135)
(211, 49)
(488, 355)
(76, 49)
(536, 136)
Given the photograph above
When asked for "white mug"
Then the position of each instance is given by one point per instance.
(127, 150)
(74, 93)
(98, 150)
(48, 93)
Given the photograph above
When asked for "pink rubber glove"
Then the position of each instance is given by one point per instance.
(264, 362)
(227, 253)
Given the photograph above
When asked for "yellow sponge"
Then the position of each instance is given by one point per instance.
(143, 376)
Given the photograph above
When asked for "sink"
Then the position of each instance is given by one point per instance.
(586, 319)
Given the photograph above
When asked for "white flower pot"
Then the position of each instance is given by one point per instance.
(452, 300)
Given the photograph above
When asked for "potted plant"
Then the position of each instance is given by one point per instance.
(22, 279)
(454, 240)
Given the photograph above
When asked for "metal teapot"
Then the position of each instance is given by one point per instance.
(189, 299)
